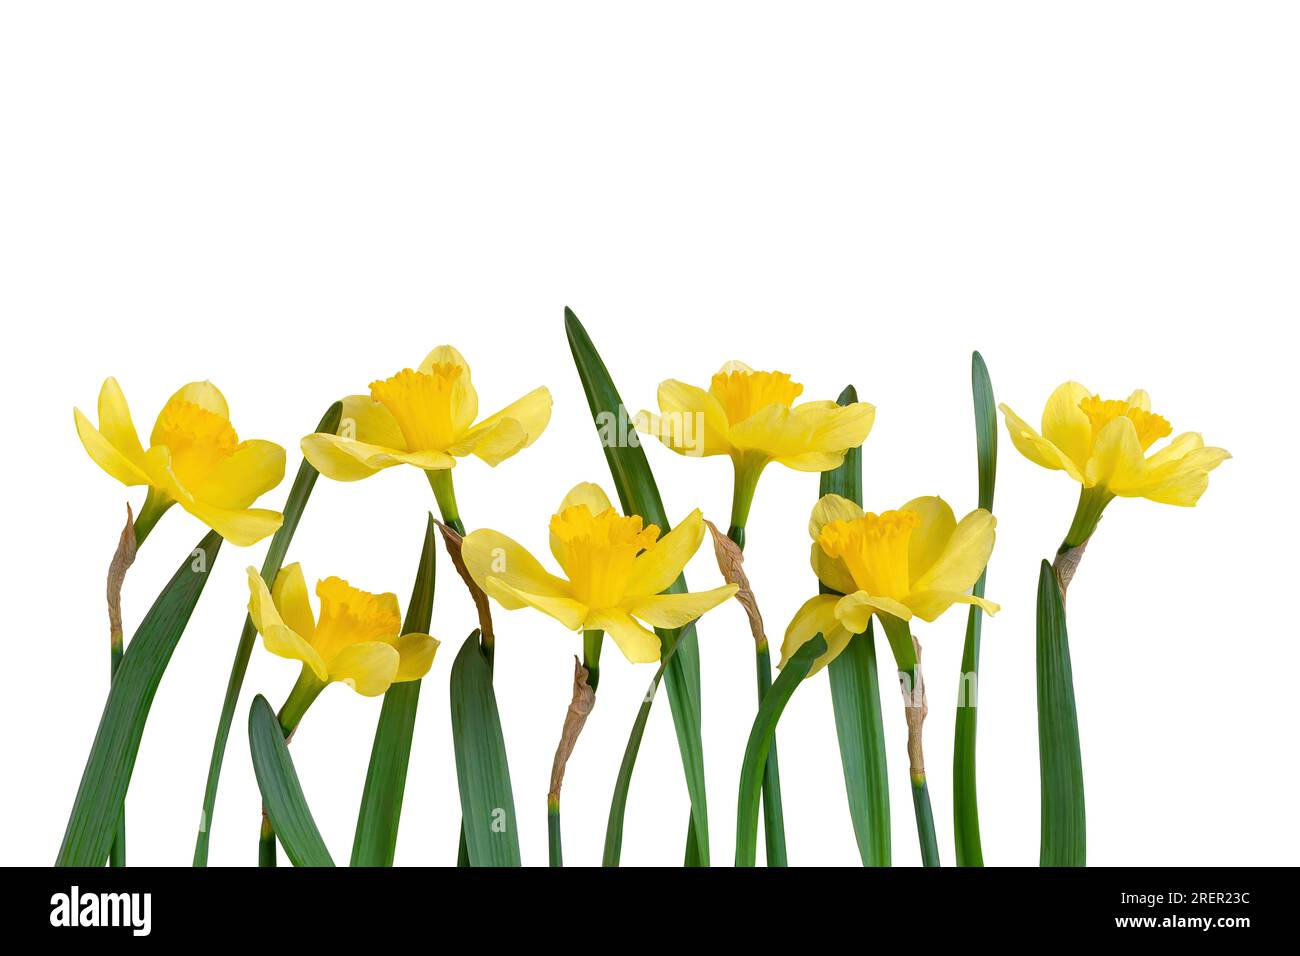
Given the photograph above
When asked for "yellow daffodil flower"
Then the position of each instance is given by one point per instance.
(356, 641)
(194, 459)
(615, 568)
(751, 416)
(916, 561)
(425, 418)
(1103, 444)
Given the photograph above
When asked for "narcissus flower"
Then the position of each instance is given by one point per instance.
(615, 569)
(751, 416)
(357, 640)
(195, 458)
(916, 561)
(425, 418)
(1103, 444)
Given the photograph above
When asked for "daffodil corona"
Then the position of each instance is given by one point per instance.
(356, 641)
(615, 570)
(194, 458)
(751, 416)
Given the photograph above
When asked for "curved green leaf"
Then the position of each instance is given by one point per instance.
(294, 506)
(760, 742)
(381, 802)
(638, 494)
(281, 792)
(104, 782)
(488, 823)
(965, 808)
(1059, 761)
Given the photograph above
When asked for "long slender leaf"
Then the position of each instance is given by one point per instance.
(638, 494)
(487, 804)
(104, 782)
(855, 695)
(381, 802)
(281, 792)
(965, 808)
(294, 506)
(1060, 763)
(760, 743)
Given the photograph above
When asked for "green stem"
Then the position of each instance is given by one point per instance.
(266, 842)
(155, 506)
(899, 634)
(925, 822)
(591, 645)
(742, 499)
(1092, 502)
(553, 831)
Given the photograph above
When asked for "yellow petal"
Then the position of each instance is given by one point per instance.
(370, 422)
(831, 508)
(236, 482)
(964, 556)
(638, 645)
(816, 616)
(292, 601)
(827, 430)
(241, 528)
(691, 421)
(1178, 474)
(105, 455)
(368, 667)
(928, 605)
(494, 443)
(832, 572)
(115, 421)
(656, 568)
(566, 610)
(1117, 460)
(854, 610)
(1036, 448)
(586, 493)
(678, 610)
(931, 536)
(1140, 399)
(416, 652)
(345, 460)
(1066, 425)
(490, 554)
(280, 639)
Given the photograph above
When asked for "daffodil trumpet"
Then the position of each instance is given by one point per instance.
(356, 641)
(615, 568)
(751, 416)
(913, 562)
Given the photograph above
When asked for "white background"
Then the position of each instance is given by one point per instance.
(295, 199)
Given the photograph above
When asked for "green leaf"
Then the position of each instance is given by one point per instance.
(1059, 761)
(965, 808)
(760, 742)
(487, 805)
(381, 802)
(281, 792)
(303, 483)
(855, 694)
(639, 495)
(104, 782)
